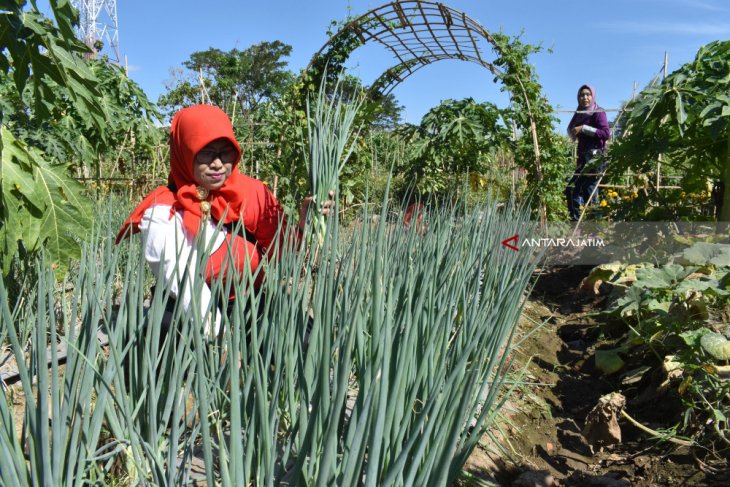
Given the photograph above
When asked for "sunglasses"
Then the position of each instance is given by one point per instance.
(227, 156)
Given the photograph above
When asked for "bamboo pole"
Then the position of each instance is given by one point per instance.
(659, 159)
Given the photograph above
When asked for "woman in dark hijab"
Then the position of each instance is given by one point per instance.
(589, 126)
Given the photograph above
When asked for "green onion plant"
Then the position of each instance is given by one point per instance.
(378, 362)
(330, 125)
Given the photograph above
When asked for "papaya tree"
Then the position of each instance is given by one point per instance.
(686, 120)
(456, 137)
(56, 109)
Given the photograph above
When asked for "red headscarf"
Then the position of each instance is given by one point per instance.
(192, 129)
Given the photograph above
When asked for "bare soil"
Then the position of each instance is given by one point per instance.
(538, 440)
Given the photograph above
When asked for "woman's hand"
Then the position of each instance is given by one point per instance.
(326, 209)
(577, 130)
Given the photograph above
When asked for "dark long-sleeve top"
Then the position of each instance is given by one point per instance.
(594, 135)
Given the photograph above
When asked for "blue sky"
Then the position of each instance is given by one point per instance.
(608, 44)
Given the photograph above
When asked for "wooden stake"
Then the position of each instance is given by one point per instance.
(659, 163)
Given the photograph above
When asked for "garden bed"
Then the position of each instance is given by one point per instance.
(544, 421)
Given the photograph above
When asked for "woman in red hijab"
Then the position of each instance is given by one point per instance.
(206, 197)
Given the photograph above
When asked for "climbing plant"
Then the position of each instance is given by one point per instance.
(286, 121)
(541, 150)
(544, 153)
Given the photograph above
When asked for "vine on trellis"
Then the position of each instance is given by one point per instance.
(547, 157)
(541, 150)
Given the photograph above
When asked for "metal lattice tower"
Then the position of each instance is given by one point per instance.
(98, 22)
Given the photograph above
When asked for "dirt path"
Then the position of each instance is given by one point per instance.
(542, 423)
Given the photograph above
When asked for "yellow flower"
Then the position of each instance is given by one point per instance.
(626, 198)
(580, 207)
(635, 195)
(603, 203)
(683, 194)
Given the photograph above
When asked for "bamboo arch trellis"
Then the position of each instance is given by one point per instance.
(419, 33)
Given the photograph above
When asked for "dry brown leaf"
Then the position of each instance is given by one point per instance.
(602, 429)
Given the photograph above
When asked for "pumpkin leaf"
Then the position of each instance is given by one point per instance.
(609, 361)
(716, 345)
(703, 253)
(666, 277)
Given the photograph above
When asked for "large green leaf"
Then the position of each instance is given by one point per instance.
(716, 345)
(609, 361)
(703, 253)
(630, 303)
(685, 118)
(17, 172)
(67, 214)
(666, 277)
(41, 204)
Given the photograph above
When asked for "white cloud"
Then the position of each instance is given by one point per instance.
(676, 28)
(707, 5)
(702, 5)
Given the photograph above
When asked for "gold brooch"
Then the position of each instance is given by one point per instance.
(202, 194)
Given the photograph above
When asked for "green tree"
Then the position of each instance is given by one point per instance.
(686, 119)
(237, 81)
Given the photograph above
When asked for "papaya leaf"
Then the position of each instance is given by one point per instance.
(52, 211)
(66, 217)
(18, 178)
(11, 230)
(681, 113)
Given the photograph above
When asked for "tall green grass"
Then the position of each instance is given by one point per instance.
(378, 360)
